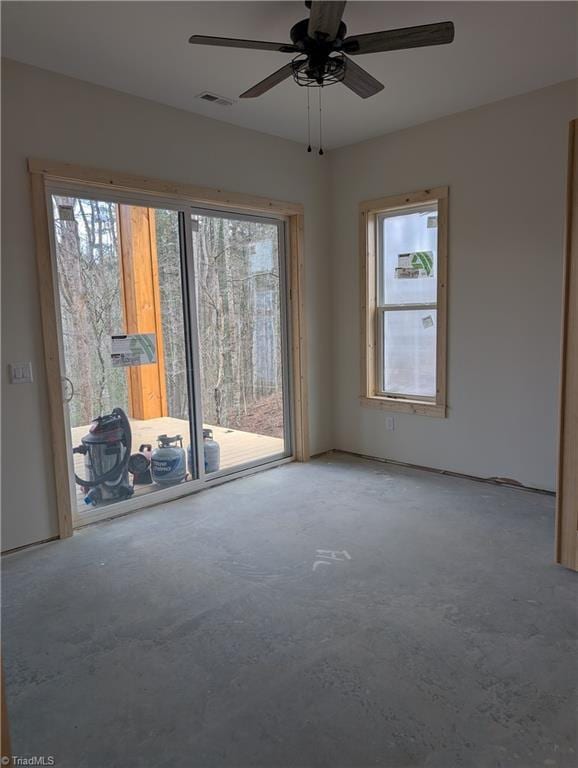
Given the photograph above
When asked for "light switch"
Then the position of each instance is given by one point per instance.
(20, 373)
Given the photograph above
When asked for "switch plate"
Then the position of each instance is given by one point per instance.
(390, 423)
(20, 373)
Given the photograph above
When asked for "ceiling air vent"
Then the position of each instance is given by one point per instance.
(212, 98)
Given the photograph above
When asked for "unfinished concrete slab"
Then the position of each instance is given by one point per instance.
(340, 613)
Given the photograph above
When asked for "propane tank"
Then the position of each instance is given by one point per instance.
(190, 464)
(212, 452)
(168, 461)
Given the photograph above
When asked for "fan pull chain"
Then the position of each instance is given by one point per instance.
(308, 122)
(320, 125)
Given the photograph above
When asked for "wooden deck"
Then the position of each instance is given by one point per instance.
(236, 447)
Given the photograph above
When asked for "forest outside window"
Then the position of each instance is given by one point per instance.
(404, 281)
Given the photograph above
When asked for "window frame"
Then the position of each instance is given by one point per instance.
(372, 394)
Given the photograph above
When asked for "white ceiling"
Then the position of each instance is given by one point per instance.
(500, 49)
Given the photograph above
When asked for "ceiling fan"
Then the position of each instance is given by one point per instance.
(322, 50)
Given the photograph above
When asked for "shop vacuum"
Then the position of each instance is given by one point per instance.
(106, 450)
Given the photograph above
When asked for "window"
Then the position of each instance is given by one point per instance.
(404, 277)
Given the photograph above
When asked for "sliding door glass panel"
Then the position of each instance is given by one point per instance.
(240, 295)
(124, 338)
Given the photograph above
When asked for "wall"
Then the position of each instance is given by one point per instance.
(505, 165)
(47, 115)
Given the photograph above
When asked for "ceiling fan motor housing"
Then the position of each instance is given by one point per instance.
(318, 51)
(299, 36)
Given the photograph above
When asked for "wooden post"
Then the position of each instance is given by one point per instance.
(567, 490)
(140, 279)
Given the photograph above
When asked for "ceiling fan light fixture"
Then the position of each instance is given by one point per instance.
(329, 72)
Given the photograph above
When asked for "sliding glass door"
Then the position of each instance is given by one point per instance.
(174, 347)
(239, 264)
(125, 339)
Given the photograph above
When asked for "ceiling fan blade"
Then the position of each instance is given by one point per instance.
(398, 39)
(360, 81)
(324, 19)
(269, 82)
(232, 42)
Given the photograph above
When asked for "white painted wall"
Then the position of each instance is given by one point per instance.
(505, 165)
(47, 115)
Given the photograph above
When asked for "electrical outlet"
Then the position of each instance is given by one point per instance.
(390, 423)
(20, 373)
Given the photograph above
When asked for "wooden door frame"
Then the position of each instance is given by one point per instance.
(567, 484)
(44, 172)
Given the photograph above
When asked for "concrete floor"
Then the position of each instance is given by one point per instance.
(202, 633)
